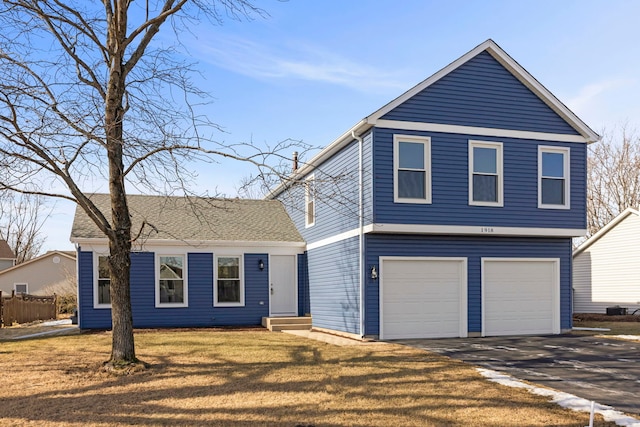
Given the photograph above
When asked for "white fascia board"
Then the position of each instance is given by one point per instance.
(479, 131)
(322, 156)
(516, 69)
(604, 230)
(542, 92)
(471, 230)
(195, 245)
(474, 230)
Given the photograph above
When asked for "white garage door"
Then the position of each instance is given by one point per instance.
(423, 297)
(520, 296)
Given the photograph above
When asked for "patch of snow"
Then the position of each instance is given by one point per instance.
(591, 329)
(56, 322)
(565, 400)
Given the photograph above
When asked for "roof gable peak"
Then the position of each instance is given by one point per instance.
(510, 65)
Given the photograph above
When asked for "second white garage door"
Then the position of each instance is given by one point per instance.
(423, 297)
(520, 296)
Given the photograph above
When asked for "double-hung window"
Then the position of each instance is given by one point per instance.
(229, 286)
(412, 169)
(553, 177)
(102, 291)
(309, 201)
(21, 288)
(171, 284)
(485, 173)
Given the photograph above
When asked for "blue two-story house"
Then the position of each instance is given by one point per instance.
(448, 212)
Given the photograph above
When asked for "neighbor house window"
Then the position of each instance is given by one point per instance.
(104, 282)
(21, 288)
(172, 286)
(229, 287)
(485, 173)
(412, 169)
(310, 201)
(553, 177)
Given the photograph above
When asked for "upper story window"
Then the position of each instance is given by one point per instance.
(553, 177)
(485, 173)
(309, 201)
(171, 283)
(411, 169)
(103, 283)
(229, 287)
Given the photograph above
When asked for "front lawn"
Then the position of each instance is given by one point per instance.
(255, 378)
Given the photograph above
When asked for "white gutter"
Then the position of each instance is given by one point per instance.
(323, 155)
(361, 260)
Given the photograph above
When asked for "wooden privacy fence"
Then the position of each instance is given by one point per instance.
(22, 308)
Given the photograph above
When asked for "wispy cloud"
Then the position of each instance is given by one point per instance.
(591, 95)
(296, 61)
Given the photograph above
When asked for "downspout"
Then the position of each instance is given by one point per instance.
(361, 259)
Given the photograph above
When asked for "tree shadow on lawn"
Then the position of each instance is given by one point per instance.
(274, 380)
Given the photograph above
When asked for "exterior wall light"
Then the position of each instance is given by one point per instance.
(374, 273)
(261, 265)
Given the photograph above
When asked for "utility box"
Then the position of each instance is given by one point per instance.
(616, 311)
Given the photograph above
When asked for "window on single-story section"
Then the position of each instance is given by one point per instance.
(553, 177)
(411, 169)
(102, 283)
(21, 288)
(229, 284)
(485, 173)
(309, 201)
(171, 283)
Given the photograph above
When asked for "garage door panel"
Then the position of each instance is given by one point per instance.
(520, 296)
(421, 298)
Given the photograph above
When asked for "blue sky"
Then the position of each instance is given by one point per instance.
(312, 69)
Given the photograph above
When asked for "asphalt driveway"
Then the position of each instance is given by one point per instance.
(604, 370)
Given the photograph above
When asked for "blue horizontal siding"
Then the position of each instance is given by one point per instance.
(472, 248)
(199, 313)
(337, 195)
(481, 93)
(334, 286)
(450, 185)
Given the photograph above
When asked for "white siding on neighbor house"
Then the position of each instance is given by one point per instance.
(607, 273)
(45, 275)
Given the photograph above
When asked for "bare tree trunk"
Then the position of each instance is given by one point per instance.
(123, 348)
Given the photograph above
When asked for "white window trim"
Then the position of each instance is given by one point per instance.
(185, 281)
(215, 281)
(499, 172)
(426, 141)
(96, 303)
(308, 198)
(26, 285)
(567, 176)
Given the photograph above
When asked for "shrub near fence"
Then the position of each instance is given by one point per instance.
(22, 308)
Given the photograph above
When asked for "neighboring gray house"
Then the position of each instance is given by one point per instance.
(53, 272)
(606, 267)
(7, 257)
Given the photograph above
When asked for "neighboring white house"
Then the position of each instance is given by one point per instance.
(52, 272)
(606, 267)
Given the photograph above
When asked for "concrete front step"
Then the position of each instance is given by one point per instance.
(287, 323)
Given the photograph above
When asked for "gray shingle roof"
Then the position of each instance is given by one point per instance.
(197, 219)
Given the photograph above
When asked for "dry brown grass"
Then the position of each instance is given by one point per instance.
(255, 378)
(618, 325)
